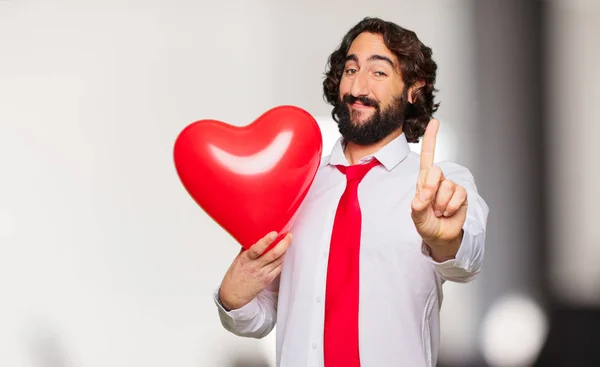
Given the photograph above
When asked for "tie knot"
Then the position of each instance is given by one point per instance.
(358, 171)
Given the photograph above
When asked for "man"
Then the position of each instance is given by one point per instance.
(362, 283)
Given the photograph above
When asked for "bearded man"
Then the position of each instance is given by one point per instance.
(380, 231)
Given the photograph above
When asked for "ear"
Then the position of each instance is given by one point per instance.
(416, 85)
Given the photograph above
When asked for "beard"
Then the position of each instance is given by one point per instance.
(381, 124)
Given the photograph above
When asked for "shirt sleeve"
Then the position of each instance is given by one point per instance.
(256, 319)
(469, 259)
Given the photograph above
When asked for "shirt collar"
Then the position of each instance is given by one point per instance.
(389, 156)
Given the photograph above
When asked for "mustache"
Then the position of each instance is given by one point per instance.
(350, 99)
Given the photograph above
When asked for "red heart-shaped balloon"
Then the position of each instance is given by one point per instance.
(250, 179)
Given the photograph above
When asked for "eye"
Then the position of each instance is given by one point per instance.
(380, 74)
(350, 71)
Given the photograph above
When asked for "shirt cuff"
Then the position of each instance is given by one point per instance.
(236, 317)
(463, 255)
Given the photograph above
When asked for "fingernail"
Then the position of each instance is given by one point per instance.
(446, 214)
(438, 213)
(273, 235)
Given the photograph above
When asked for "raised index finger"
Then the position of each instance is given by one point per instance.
(428, 145)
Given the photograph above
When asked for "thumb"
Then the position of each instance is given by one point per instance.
(420, 206)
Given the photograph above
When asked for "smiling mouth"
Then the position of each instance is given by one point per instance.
(360, 106)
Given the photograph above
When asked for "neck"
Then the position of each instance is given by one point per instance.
(355, 152)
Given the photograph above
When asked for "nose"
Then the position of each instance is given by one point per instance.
(360, 86)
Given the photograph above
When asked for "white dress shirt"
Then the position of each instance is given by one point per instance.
(400, 284)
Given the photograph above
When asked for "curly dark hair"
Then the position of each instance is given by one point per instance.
(416, 65)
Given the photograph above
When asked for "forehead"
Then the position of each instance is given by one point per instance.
(366, 45)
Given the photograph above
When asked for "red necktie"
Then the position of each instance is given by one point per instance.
(341, 295)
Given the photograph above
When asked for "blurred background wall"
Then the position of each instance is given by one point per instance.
(106, 261)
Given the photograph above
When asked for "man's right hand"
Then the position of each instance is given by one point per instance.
(252, 271)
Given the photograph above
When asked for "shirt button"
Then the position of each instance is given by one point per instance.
(324, 254)
(314, 346)
(318, 299)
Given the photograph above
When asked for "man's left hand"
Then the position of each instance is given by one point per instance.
(439, 208)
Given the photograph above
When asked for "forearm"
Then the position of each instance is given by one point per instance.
(466, 264)
(254, 320)
(441, 252)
